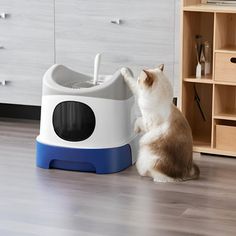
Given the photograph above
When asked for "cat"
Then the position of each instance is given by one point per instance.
(166, 147)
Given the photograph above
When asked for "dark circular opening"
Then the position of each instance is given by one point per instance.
(233, 59)
(73, 121)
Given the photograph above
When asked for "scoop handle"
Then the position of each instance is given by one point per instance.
(97, 62)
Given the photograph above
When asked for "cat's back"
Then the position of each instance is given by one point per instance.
(174, 134)
(178, 124)
(173, 148)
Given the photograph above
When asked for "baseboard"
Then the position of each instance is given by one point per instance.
(20, 111)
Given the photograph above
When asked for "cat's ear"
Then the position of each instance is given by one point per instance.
(161, 67)
(149, 79)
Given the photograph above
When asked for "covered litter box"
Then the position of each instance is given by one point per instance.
(85, 127)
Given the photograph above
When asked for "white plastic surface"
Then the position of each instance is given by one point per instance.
(114, 122)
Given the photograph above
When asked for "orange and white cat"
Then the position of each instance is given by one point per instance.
(166, 146)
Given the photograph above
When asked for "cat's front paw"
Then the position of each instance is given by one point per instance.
(137, 129)
(125, 72)
(138, 125)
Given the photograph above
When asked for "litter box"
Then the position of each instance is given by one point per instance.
(86, 127)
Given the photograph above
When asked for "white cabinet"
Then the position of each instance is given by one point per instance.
(33, 38)
(27, 40)
(144, 38)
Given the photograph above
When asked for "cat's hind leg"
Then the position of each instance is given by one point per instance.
(145, 162)
(163, 172)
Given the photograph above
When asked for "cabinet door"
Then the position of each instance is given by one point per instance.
(144, 38)
(27, 40)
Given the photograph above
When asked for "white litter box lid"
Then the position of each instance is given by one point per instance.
(60, 80)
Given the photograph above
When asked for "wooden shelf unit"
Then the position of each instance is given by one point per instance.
(217, 92)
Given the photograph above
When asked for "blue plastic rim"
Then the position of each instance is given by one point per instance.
(100, 161)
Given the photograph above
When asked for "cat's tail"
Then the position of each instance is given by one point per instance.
(194, 173)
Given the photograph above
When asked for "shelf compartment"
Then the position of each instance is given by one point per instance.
(201, 129)
(225, 102)
(195, 23)
(225, 31)
(225, 133)
(225, 67)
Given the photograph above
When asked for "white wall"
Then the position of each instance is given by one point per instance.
(177, 48)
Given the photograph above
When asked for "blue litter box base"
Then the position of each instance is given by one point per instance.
(101, 161)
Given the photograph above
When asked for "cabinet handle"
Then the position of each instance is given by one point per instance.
(116, 21)
(3, 15)
(233, 59)
(3, 82)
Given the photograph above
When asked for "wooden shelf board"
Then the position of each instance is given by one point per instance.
(227, 49)
(205, 147)
(224, 153)
(225, 116)
(210, 8)
(203, 80)
(225, 83)
(201, 146)
(214, 151)
(207, 80)
(202, 143)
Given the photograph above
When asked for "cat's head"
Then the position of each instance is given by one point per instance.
(153, 82)
(148, 78)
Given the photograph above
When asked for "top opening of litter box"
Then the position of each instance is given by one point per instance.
(81, 82)
(71, 79)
